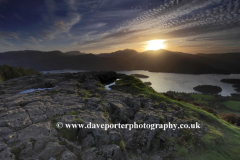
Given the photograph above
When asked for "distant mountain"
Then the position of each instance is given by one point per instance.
(56, 60)
(74, 53)
(120, 53)
(154, 61)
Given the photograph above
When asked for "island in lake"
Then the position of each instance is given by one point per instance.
(235, 82)
(148, 83)
(208, 89)
(139, 76)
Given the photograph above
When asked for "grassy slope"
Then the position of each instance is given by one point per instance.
(222, 142)
(234, 105)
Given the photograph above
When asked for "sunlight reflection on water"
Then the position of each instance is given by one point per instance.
(163, 82)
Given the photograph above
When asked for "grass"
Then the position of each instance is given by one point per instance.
(78, 120)
(220, 142)
(129, 84)
(52, 92)
(72, 113)
(69, 134)
(16, 151)
(201, 98)
(121, 145)
(105, 113)
(1, 79)
(51, 118)
(84, 93)
(233, 105)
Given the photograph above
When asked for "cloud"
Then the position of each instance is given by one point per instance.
(5, 44)
(17, 16)
(175, 19)
(92, 26)
(71, 4)
(9, 35)
(90, 5)
(51, 6)
(59, 25)
(32, 40)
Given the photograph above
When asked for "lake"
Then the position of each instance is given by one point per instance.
(163, 82)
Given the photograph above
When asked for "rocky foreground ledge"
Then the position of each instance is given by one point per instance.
(28, 121)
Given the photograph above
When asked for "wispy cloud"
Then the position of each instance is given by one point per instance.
(9, 35)
(179, 18)
(58, 25)
(17, 16)
(32, 40)
(71, 4)
(88, 24)
(5, 43)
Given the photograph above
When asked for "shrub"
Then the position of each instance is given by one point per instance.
(231, 118)
(1, 79)
(121, 145)
(9, 72)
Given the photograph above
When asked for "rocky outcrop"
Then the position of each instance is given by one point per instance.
(28, 122)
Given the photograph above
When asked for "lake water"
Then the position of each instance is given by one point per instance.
(163, 82)
(32, 90)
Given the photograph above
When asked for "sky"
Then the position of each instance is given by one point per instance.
(104, 26)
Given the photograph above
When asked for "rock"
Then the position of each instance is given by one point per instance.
(52, 149)
(15, 119)
(162, 105)
(106, 76)
(37, 111)
(114, 136)
(121, 111)
(92, 154)
(27, 150)
(101, 136)
(134, 103)
(67, 155)
(139, 151)
(75, 148)
(28, 121)
(2, 145)
(168, 118)
(114, 152)
(40, 130)
(4, 131)
(66, 119)
(6, 154)
(137, 158)
(128, 137)
(156, 157)
(88, 141)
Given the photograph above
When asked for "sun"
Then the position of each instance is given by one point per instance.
(155, 44)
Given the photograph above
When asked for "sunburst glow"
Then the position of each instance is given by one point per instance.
(155, 45)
